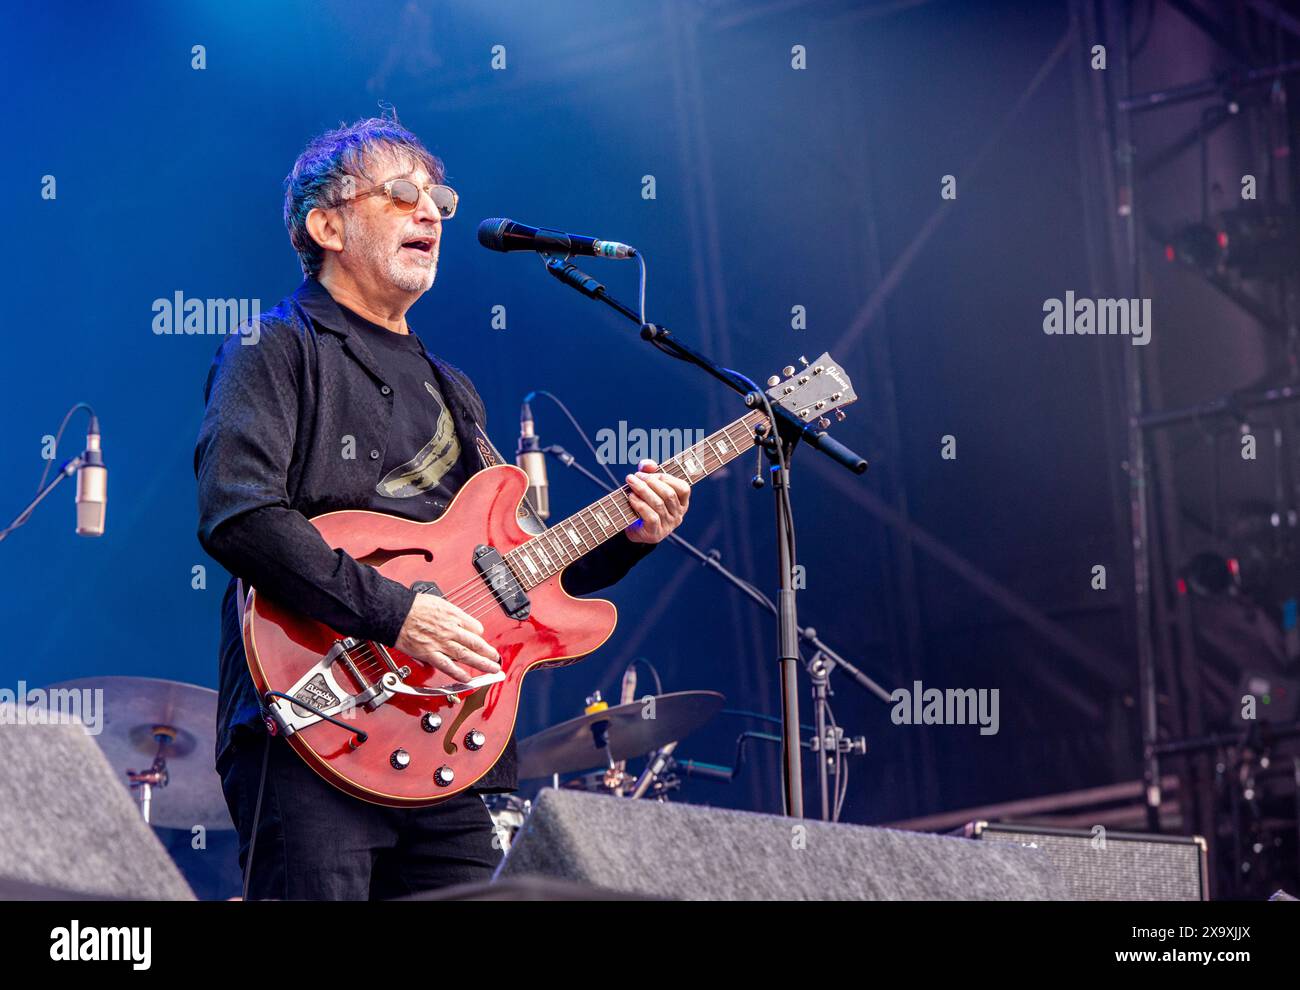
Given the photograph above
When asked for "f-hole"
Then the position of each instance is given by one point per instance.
(377, 557)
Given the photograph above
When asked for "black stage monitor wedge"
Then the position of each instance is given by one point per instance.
(67, 822)
(689, 852)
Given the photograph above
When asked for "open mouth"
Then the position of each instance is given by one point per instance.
(424, 245)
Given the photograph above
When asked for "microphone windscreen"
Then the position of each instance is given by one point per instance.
(92, 500)
(491, 233)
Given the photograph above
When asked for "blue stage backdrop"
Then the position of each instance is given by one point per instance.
(781, 166)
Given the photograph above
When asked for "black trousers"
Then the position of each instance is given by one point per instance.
(315, 842)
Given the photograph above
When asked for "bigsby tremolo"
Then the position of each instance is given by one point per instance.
(320, 689)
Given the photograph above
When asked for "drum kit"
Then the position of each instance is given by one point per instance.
(605, 738)
(159, 736)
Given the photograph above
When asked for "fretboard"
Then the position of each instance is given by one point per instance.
(549, 553)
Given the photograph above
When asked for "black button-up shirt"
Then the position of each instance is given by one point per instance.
(283, 406)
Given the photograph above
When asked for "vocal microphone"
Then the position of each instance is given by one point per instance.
(92, 485)
(529, 456)
(501, 234)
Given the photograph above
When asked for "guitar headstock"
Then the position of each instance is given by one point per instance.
(819, 388)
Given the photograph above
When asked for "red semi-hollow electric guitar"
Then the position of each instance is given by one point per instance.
(413, 735)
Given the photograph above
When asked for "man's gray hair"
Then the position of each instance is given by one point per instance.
(317, 178)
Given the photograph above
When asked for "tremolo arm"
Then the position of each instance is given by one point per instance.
(320, 690)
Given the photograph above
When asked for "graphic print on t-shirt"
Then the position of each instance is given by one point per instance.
(423, 471)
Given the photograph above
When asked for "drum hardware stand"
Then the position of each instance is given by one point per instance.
(144, 781)
(829, 742)
(615, 779)
(824, 662)
(656, 773)
(790, 429)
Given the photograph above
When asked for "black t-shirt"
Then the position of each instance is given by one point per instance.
(424, 465)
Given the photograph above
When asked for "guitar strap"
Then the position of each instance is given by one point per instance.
(529, 520)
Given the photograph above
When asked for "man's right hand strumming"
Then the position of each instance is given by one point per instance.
(442, 635)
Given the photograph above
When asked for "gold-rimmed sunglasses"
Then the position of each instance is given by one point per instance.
(404, 194)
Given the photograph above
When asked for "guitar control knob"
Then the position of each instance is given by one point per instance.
(430, 721)
(400, 759)
(474, 739)
(443, 776)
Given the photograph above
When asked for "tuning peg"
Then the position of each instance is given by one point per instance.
(841, 415)
(824, 423)
(774, 380)
(788, 370)
(803, 360)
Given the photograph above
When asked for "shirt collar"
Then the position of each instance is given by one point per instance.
(317, 303)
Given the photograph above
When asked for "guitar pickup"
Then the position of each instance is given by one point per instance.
(501, 579)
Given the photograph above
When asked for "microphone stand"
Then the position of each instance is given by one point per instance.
(786, 431)
(89, 456)
(67, 471)
(820, 667)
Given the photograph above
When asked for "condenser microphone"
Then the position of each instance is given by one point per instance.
(530, 458)
(92, 485)
(500, 234)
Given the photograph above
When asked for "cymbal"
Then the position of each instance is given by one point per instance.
(575, 744)
(133, 708)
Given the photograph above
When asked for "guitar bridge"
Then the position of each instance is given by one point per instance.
(320, 688)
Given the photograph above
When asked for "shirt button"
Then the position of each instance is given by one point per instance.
(374, 455)
(385, 390)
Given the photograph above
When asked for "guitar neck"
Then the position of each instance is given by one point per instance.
(548, 553)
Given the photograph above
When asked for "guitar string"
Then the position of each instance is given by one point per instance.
(488, 595)
(672, 466)
(613, 496)
(368, 653)
(485, 597)
(478, 582)
(486, 600)
(375, 664)
(550, 544)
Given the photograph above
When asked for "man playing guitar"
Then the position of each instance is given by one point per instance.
(330, 404)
